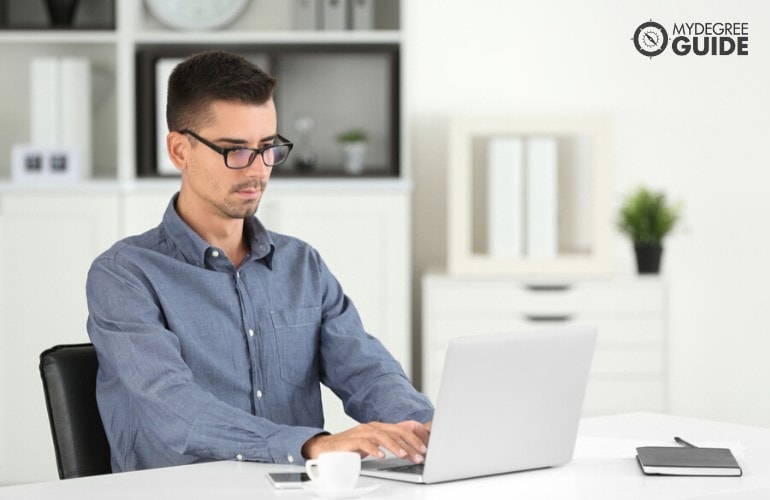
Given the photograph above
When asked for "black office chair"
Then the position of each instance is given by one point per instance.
(69, 383)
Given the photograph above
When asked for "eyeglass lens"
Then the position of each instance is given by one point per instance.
(271, 155)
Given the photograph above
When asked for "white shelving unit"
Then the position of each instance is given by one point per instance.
(112, 53)
(50, 234)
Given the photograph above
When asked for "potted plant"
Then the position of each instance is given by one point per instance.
(647, 218)
(353, 143)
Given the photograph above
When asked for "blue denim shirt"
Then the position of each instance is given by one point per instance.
(201, 361)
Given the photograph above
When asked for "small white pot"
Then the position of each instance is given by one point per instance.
(354, 153)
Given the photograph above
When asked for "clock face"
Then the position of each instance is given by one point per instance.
(650, 39)
(195, 15)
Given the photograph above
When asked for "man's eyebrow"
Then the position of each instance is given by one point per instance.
(242, 141)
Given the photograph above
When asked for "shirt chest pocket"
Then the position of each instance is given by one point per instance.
(297, 336)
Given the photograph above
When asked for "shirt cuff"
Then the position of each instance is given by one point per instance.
(422, 416)
(286, 445)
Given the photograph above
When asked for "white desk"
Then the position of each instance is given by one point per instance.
(598, 471)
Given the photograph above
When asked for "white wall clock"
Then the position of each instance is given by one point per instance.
(195, 15)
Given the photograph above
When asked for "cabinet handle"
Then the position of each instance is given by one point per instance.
(553, 287)
(551, 318)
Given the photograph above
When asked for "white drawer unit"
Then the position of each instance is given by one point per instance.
(630, 365)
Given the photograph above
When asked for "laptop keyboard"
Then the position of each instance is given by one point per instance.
(411, 469)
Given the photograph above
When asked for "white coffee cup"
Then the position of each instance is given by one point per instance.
(335, 470)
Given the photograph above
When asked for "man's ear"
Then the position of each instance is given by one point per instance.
(178, 148)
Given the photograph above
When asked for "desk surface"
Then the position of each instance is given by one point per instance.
(603, 467)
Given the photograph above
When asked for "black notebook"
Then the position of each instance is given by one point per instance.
(687, 461)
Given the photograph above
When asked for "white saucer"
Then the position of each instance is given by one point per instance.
(352, 493)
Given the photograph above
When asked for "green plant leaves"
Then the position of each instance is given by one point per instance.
(646, 217)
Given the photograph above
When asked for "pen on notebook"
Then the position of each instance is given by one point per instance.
(683, 442)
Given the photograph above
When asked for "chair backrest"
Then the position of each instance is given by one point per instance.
(69, 383)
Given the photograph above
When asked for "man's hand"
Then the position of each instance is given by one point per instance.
(405, 440)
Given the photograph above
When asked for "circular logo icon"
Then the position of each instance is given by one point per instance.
(650, 38)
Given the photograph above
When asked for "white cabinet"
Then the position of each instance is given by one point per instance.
(630, 365)
(48, 240)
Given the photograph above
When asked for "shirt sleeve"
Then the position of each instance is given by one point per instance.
(371, 383)
(142, 369)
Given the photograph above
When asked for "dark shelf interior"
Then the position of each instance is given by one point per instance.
(336, 87)
(88, 15)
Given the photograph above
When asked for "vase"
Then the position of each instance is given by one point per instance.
(61, 12)
(648, 258)
(354, 156)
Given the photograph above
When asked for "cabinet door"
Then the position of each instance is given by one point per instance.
(47, 243)
(143, 210)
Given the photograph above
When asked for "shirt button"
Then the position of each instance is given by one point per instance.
(251, 332)
(239, 457)
(259, 394)
(215, 253)
(290, 459)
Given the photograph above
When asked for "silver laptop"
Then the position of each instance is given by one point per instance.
(507, 402)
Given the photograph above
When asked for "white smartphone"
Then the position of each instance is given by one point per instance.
(287, 480)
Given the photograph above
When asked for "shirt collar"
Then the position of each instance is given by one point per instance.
(260, 241)
(194, 248)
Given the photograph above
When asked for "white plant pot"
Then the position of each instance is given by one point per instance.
(354, 153)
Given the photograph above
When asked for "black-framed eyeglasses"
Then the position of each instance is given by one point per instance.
(238, 157)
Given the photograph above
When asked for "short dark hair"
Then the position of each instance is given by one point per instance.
(212, 76)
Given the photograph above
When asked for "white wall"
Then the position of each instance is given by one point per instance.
(696, 127)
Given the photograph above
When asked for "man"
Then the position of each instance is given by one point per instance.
(212, 332)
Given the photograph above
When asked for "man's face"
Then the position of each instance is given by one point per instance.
(219, 190)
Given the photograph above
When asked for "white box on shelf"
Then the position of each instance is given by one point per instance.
(505, 193)
(60, 114)
(362, 14)
(76, 110)
(542, 198)
(32, 164)
(163, 69)
(307, 14)
(335, 14)
(45, 101)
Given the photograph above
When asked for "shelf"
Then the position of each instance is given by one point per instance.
(71, 37)
(269, 37)
(277, 185)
